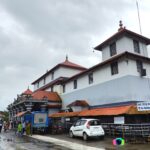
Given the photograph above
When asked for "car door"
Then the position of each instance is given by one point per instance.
(81, 127)
(76, 127)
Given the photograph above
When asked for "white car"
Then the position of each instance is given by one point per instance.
(87, 128)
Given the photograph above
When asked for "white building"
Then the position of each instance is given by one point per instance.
(122, 77)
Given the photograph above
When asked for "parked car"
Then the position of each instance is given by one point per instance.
(87, 128)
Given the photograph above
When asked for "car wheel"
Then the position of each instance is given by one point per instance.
(85, 136)
(71, 134)
(101, 137)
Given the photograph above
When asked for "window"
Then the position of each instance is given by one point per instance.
(114, 68)
(139, 65)
(52, 89)
(90, 78)
(44, 81)
(64, 89)
(113, 49)
(77, 123)
(38, 85)
(82, 122)
(75, 84)
(52, 77)
(136, 46)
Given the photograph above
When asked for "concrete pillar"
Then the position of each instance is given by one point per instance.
(43, 107)
(28, 106)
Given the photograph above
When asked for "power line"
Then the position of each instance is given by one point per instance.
(139, 16)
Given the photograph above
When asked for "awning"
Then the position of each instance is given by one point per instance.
(22, 113)
(111, 111)
(64, 114)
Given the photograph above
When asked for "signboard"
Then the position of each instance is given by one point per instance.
(40, 118)
(143, 106)
(119, 120)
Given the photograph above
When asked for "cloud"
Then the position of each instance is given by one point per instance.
(36, 35)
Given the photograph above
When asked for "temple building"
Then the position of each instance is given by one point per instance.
(122, 79)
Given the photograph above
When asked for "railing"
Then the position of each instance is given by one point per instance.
(131, 132)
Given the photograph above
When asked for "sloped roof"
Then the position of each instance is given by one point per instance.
(125, 54)
(78, 103)
(66, 63)
(120, 33)
(106, 111)
(64, 114)
(56, 81)
(54, 105)
(22, 113)
(51, 96)
(111, 111)
(27, 92)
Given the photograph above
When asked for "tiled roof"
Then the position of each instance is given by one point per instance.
(78, 103)
(22, 113)
(112, 111)
(66, 63)
(125, 54)
(64, 114)
(121, 33)
(27, 92)
(54, 105)
(56, 81)
(51, 96)
(106, 111)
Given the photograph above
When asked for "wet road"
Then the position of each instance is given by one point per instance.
(8, 141)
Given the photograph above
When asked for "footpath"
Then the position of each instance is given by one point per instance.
(64, 143)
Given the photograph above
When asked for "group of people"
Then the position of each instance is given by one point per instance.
(21, 127)
(5, 125)
(24, 127)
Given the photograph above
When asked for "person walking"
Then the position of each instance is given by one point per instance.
(28, 129)
(23, 127)
(1, 124)
(19, 129)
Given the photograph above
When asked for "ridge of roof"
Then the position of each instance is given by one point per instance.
(66, 63)
(120, 33)
(113, 58)
(57, 80)
(27, 92)
(52, 96)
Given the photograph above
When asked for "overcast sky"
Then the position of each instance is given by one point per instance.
(35, 35)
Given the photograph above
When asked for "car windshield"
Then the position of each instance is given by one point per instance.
(94, 122)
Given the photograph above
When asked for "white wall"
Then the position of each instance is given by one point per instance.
(103, 74)
(52, 111)
(78, 108)
(59, 72)
(124, 44)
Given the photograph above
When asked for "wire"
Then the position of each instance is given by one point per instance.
(139, 17)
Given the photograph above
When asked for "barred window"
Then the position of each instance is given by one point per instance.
(52, 77)
(114, 68)
(90, 76)
(75, 84)
(139, 65)
(136, 46)
(113, 49)
(64, 88)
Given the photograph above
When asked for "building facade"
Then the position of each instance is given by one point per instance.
(123, 76)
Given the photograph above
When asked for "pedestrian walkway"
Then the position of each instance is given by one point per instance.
(67, 144)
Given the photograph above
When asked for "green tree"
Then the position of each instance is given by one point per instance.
(6, 116)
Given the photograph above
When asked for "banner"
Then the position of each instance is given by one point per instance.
(143, 106)
(40, 118)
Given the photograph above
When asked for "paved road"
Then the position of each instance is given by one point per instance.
(8, 141)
